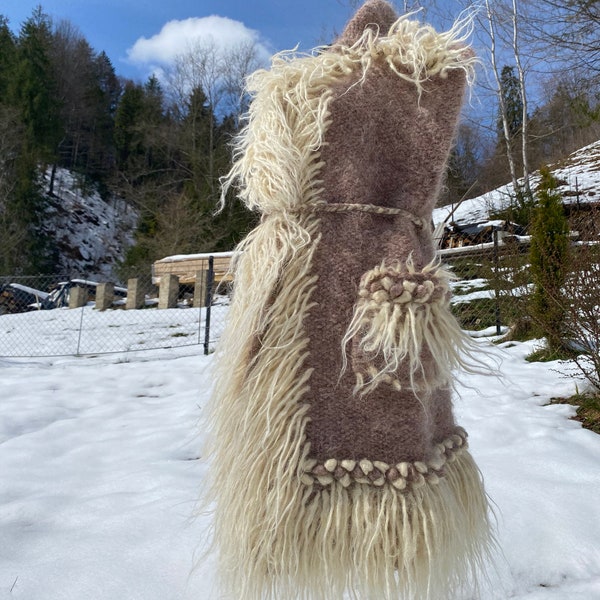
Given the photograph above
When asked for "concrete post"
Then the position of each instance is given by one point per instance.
(78, 297)
(168, 291)
(105, 294)
(135, 294)
(200, 290)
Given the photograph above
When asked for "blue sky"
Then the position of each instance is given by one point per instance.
(119, 27)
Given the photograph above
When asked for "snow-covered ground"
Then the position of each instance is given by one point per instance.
(65, 331)
(100, 472)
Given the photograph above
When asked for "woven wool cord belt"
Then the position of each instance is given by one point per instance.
(373, 209)
(355, 207)
(337, 466)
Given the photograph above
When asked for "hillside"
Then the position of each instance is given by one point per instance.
(578, 175)
(91, 235)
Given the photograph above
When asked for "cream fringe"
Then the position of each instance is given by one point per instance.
(417, 52)
(294, 542)
(277, 538)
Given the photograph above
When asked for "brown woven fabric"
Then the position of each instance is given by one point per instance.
(377, 16)
(384, 146)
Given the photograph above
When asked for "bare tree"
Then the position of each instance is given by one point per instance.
(553, 46)
(582, 321)
(240, 60)
(492, 24)
(569, 32)
(525, 116)
(220, 74)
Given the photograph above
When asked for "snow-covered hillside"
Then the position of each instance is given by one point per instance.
(578, 175)
(91, 235)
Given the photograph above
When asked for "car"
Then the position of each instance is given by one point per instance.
(59, 295)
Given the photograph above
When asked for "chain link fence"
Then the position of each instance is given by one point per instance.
(61, 315)
(65, 315)
(493, 284)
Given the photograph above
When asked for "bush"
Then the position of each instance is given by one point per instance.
(581, 325)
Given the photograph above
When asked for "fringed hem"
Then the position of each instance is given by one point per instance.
(373, 543)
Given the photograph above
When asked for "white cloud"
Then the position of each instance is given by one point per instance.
(176, 37)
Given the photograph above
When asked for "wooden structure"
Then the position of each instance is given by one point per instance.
(188, 267)
(456, 235)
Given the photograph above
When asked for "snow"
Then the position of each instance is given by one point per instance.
(201, 256)
(86, 330)
(30, 290)
(479, 295)
(100, 474)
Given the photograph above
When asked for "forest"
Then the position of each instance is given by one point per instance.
(163, 144)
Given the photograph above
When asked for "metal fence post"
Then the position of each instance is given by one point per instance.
(210, 278)
(497, 283)
(80, 332)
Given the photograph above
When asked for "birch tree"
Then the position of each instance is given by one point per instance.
(492, 24)
(524, 104)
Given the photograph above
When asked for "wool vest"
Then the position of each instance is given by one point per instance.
(337, 464)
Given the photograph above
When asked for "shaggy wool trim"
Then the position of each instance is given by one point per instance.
(258, 420)
(414, 51)
(290, 104)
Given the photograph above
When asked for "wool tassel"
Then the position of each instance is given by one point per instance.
(401, 315)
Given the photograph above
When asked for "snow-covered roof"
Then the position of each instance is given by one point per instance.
(201, 256)
(29, 290)
(579, 173)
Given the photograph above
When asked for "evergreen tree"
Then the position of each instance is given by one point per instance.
(8, 57)
(31, 90)
(108, 82)
(513, 102)
(198, 146)
(154, 127)
(86, 146)
(153, 100)
(105, 97)
(127, 124)
(463, 167)
(12, 230)
(164, 156)
(549, 257)
(35, 87)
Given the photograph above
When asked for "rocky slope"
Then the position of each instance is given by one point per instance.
(91, 234)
